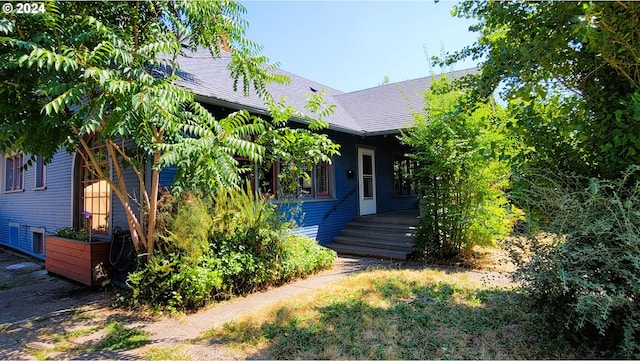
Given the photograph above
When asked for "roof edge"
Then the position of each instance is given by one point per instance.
(225, 103)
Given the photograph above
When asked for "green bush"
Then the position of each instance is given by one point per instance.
(463, 171)
(213, 247)
(581, 268)
(303, 256)
(171, 282)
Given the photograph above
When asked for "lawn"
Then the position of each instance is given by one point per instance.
(396, 314)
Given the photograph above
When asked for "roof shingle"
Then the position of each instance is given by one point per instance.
(380, 110)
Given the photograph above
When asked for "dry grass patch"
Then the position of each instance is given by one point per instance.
(395, 314)
(177, 352)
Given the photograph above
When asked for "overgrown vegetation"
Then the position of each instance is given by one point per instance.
(570, 76)
(213, 247)
(391, 314)
(462, 174)
(79, 334)
(582, 272)
(105, 73)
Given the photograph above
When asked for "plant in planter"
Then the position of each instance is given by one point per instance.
(74, 254)
(72, 233)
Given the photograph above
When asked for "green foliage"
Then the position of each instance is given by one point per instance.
(119, 337)
(72, 233)
(463, 171)
(190, 227)
(302, 256)
(83, 69)
(584, 269)
(212, 247)
(298, 148)
(570, 73)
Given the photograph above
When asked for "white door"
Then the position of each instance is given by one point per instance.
(367, 181)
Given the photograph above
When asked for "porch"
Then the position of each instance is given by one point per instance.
(388, 235)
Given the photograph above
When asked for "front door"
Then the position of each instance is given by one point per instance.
(367, 181)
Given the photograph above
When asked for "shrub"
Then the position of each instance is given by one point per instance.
(213, 247)
(302, 256)
(462, 173)
(583, 270)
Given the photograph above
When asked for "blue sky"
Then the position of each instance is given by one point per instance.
(352, 45)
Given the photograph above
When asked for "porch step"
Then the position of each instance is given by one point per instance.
(369, 234)
(368, 251)
(380, 226)
(405, 246)
(388, 236)
(409, 220)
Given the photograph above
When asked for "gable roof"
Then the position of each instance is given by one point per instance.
(380, 110)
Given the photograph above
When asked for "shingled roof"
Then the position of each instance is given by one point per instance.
(379, 110)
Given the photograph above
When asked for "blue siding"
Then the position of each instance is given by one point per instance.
(48, 208)
(323, 219)
(167, 175)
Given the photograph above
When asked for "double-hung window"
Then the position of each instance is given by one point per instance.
(14, 176)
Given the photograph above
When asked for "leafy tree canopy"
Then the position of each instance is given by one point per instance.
(570, 73)
(106, 70)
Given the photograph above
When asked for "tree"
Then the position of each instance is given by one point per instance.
(570, 73)
(105, 71)
(463, 171)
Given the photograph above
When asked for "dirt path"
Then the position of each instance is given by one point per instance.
(74, 320)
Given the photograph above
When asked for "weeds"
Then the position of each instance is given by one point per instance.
(119, 337)
(179, 352)
(396, 315)
(64, 343)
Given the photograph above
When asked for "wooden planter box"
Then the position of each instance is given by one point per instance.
(77, 260)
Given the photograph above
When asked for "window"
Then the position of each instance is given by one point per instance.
(93, 196)
(404, 170)
(322, 179)
(13, 173)
(40, 173)
(37, 240)
(317, 185)
(267, 181)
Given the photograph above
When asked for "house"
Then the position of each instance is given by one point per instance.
(369, 177)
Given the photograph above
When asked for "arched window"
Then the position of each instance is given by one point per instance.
(92, 208)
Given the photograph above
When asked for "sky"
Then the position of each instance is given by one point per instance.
(353, 45)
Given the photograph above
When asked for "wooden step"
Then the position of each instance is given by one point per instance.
(387, 220)
(385, 227)
(369, 234)
(405, 246)
(368, 251)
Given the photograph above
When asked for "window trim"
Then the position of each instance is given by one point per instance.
(14, 171)
(40, 166)
(314, 195)
(83, 218)
(43, 243)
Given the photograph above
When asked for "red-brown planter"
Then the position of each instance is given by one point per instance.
(78, 260)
